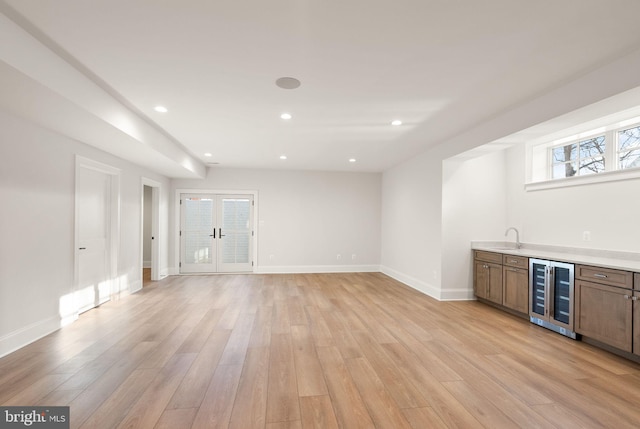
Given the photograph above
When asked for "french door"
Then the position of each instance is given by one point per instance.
(216, 233)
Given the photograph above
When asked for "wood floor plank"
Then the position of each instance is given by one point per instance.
(317, 413)
(217, 405)
(149, 407)
(36, 391)
(382, 408)
(261, 333)
(309, 373)
(421, 418)
(113, 409)
(401, 389)
(195, 383)
(250, 406)
(86, 404)
(177, 418)
(282, 404)
(349, 407)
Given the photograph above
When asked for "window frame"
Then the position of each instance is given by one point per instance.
(577, 141)
(616, 135)
(540, 158)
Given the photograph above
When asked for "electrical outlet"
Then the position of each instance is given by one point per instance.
(271, 257)
(586, 236)
(353, 257)
(338, 256)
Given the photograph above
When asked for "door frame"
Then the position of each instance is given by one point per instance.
(177, 220)
(114, 227)
(155, 229)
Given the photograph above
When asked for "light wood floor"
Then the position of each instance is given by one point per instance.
(316, 351)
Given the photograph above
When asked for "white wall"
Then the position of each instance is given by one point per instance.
(306, 218)
(411, 219)
(473, 208)
(37, 190)
(609, 211)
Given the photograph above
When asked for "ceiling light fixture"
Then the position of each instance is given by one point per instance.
(208, 155)
(161, 109)
(396, 122)
(288, 83)
(286, 116)
(283, 156)
(352, 160)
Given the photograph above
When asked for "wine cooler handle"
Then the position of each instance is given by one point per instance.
(552, 292)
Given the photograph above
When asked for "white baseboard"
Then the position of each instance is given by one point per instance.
(135, 286)
(413, 282)
(305, 269)
(457, 295)
(428, 289)
(27, 335)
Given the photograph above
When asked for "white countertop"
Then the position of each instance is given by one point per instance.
(627, 261)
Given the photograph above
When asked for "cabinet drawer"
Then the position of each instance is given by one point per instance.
(515, 261)
(636, 282)
(496, 258)
(606, 276)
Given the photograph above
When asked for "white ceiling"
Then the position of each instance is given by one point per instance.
(440, 66)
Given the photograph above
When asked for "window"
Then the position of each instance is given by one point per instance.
(579, 158)
(607, 152)
(629, 148)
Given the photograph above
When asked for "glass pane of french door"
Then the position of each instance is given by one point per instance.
(198, 247)
(236, 231)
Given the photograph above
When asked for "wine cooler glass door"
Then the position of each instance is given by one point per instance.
(562, 287)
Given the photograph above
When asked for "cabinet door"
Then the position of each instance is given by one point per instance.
(515, 292)
(636, 318)
(488, 281)
(481, 279)
(604, 313)
(495, 283)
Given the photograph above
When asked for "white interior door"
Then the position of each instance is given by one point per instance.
(216, 233)
(94, 208)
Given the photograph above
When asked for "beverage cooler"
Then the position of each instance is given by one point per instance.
(551, 295)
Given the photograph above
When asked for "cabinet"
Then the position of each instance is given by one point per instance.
(604, 306)
(515, 287)
(487, 276)
(636, 314)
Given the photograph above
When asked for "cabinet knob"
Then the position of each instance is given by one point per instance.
(628, 297)
(600, 276)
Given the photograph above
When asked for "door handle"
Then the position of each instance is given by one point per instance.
(82, 248)
(220, 234)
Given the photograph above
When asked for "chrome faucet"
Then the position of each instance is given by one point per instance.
(518, 244)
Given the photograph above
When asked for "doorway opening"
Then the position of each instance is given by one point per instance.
(149, 254)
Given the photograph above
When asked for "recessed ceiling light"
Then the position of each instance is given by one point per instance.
(288, 83)
(286, 116)
(396, 122)
(161, 109)
(208, 155)
(283, 156)
(352, 160)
